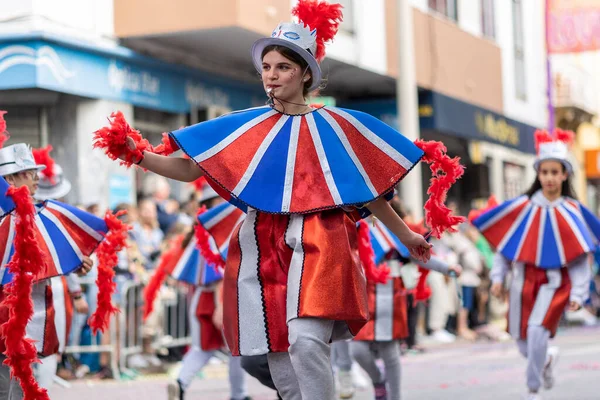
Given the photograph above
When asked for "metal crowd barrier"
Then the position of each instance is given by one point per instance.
(130, 323)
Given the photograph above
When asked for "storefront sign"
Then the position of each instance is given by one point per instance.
(115, 74)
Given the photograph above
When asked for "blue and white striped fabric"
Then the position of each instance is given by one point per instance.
(193, 269)
(384, 241)
(6, 202)
(278, 163)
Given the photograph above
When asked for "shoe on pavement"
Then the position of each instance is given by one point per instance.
(346, 383)
(443, 336)
(358, 378)
(533, 396)
(175, 391)
(380, 391)
(548, 373)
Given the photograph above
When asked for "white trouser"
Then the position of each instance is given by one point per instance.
(46, 370)
(535, 349)
(365, 354)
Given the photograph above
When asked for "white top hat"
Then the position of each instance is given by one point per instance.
(17, 158)
(295, 37)
(53, 191)
(318, 23)
(553, 148)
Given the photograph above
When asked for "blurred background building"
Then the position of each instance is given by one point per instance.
(65, 65)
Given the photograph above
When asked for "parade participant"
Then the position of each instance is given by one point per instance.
(66, 290)
(302, 174)
(206, 308)
(544, 236)
(388, 322)
(38, 243)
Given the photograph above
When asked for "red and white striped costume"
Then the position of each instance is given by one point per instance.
(291, 266)
(205, 335)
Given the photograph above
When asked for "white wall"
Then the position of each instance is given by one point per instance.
(532, 110)
(365, 48)
(469, 16)
(583, 69)
(91, 20)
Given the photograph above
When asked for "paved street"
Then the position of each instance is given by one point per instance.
(461, 371)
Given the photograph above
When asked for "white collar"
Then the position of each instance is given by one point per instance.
(539, 199)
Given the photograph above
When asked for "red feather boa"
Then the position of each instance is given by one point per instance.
(25, 264)
(114, 241)
(422, 290)
(167, 261)
(542, 136)
(445, 172)
(113, 140)
(203, 244)
(42, 157)
(367, 256)
(323, 17)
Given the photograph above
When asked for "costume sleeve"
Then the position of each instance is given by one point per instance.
(580, 274)
(435, 264)
(499, 269)
(73, 284)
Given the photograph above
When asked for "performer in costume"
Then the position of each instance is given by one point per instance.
(206, 308)
(544, 236)
(388, 323)
(303, 175)
(36, 244)
(66, 290)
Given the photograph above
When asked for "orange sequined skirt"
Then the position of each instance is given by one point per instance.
(281, 267)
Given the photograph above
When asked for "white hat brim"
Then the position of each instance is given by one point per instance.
(54, 193)
(261, 44)
(566, 163)
(13, 169)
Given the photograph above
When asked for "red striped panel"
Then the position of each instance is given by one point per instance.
(231, 322)
(558, 304)
(495, 233)
(400, 323)
(529, 250)
(367, 333)
(571, 245)
(533, 279)
(273, 278)
(68, 309)
(86, 243)
(51, 268)
(371, 157)
(50, 344)
(309, 189)
(237, 156)
(210, 337)
(222, 230)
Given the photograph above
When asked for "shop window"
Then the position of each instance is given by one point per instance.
(514, 185)
(519, 50)
(488, 27)
(447, 8)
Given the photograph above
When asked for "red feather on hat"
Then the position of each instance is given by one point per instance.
(323, 17)
(542, 136)
(42, 157)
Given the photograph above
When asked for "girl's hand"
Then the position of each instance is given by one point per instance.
(498, 291)
(457, 269)
(86, 266)
(130, 145)
(417, 246)
(574, 306)
(217, 318)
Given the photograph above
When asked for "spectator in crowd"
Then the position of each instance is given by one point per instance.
(146, 233)
(158, 189)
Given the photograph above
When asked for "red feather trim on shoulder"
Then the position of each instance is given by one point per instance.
(322, 16)
(165, 148)
(114, 241)
(445, 172)
(367, 256)
(199, 183)
(422, 290)
(27, 261)
(165, 265)
(203, 244)
(42, 157)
